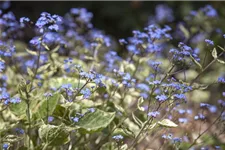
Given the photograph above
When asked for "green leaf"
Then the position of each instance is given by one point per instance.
(19, 109)
(58, 82)
(124, 147)
(25, 148)
(137, 120)
(199, 86)
(55, 49)
(214, 53)
(109, 146)
(152, 126)
(123, 132)
(185, 31)
(54, 135)
(46, 106)
(45, 46)
(221, 48)
(59, 111)
(85, 103)
(11, 138)
(30, 72)
(119, 108)
(115, 107)
(167, 123)
(43, 68)
(221, 61)
(196, 62)
(140, 101)
(31, 52)
(96, 121)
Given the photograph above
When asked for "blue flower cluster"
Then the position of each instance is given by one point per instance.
(69, 57)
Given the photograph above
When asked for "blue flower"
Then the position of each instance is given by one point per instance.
(156, 82)
(183, 120)
(24, 20)
(66, 86)
(177, 140)
(50, 119)
(218, 147)
(54, 27)
(209, 11)
(75, 119)
(144, 95)
(48, 94)
(90, 76)
(5, 146)
(221, 80)
(122, 41)
(153, 114)
(161, 98)
(223, 94)
(164, 136)
(118, 137)
(4, 77)
(91, 110)
(213, 109)
(20, 131)
(15, 100)
(86, 93)
(199, 117)
(6, 49)
(143, 87)
(48, 21)
(209, 42)
(68, 60)
(202, 105)
(181, 111)
(164, 13)
(180, 96)
(5, 5)
(185, 51)
(4, 95)
(2, 66)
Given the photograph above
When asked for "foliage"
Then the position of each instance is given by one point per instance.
(68, 89)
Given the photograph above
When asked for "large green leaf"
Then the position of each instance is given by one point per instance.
(54, 135)
(19, 109)
(46, 106)
(95, 121)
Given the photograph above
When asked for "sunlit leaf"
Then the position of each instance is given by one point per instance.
(95, 121)
(220, 61)
(43, 68)
(31, 52)
(196, 62)
(46, 106)
(167, 123)
(54, 135)
(185, 31)
(214, 53)
(140, 101)
(137, 120)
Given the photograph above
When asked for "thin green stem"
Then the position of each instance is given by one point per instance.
(211, 63)
(74, 97)
(206, 129)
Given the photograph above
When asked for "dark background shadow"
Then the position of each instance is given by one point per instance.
(116, 18)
